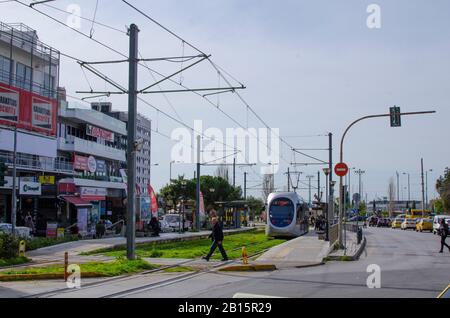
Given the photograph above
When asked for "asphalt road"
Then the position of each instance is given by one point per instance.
(410, 267)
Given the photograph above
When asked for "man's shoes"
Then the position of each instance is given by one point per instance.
(441, 251)
(205, 258)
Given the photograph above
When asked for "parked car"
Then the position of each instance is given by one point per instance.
(21, 231)
(174, 220)
(437, 222)
(424, 225)
(409, 224)
(397, 223)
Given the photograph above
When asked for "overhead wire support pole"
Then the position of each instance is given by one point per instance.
(132, 147)
(341, 179)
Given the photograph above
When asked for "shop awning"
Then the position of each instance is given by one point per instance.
(91, 198)
(78, 202)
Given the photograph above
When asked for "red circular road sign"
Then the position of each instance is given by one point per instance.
(341, 169)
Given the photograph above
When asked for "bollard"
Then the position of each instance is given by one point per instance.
(22, 248)
(66, 265)
(244, 255)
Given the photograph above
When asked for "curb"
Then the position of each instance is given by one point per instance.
(349, 258)
(33, 277)
(249, 268)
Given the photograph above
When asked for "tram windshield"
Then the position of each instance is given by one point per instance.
(281, 212)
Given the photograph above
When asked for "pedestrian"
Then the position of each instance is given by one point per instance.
(155, 227)
(443, 231)
(217, 238)
(100, 229)
(29, 222)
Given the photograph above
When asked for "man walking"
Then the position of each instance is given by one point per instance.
(217, 237)
(443, 229)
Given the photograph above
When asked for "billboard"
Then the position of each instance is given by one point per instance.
(27, 110)
(9, 104)
(99, 133)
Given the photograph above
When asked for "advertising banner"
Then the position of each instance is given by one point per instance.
(80, 163)
(82, 219)
(154, 201)
(47, 179)
(42, 116)
(99, 133)
(101, 166)
(85, 191)
(9, 104)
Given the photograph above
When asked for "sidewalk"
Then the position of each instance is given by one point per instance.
(55, 254)
(353, 250)
(304, 251)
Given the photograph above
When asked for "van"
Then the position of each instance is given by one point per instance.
(437, 222)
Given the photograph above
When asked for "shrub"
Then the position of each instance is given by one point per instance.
(9, 246)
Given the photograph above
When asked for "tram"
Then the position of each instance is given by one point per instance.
(287, 215)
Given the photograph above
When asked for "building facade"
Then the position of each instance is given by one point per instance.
(29, 75)
(95, 144)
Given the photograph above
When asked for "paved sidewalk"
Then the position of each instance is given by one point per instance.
(352, 250)
(304, 251)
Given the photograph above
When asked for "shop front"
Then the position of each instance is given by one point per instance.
(97, 198)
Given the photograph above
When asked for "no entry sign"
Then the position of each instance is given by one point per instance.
(341, 169)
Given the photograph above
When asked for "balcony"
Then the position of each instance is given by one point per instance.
(93, 117)
(74, 144)
(30, 163)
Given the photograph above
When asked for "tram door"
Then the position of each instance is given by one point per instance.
(302, 222)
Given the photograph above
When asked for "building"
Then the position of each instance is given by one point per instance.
(399, 206)
(95, 144)
(29, 76)
(143, 158)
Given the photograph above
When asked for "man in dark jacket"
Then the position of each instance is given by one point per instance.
(443, 229)
(217, 237)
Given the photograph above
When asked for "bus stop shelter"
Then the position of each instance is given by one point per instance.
(232, 214)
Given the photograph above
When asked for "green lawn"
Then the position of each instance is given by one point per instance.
(255, 242)
(115, 268)
(14, 261)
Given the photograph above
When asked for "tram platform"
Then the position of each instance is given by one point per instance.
(304, 251)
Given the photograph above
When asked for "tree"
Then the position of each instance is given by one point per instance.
(443, 188)
(214, 189)
(255, 206)
(391, 196)
(268, 185)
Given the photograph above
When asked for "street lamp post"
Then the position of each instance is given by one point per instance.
(426, 176)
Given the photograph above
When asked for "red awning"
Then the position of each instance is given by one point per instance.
(78, 202)
(93, 198)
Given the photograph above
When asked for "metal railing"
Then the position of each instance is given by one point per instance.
(40, 164)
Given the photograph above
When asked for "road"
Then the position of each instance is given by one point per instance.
(410, 267)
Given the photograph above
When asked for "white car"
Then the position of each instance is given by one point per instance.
(437, 222)
(173, 221)
(21, 231)
(409, 224)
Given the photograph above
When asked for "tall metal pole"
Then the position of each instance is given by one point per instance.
(423, 190)
(310, 188)
(245, 186)
(14, 190)
(131, 152)
(409, 187)
(289, 179)
(197, 212)
(234, 172)
(318, 184)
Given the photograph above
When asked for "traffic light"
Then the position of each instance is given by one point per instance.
(3, 169)
(396, 117)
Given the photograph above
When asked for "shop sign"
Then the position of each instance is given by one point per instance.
(42, 114)
(9, 104)
(9, 183)
(30, 188)
(101, 166)
(85, 191)
(47, 180)
(52, 230)
(80, 163)
(92, 164)
(99, 133)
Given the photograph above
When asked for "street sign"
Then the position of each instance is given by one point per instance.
(341, 169)
(396, 117)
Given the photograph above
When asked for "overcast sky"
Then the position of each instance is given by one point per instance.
(310, 67)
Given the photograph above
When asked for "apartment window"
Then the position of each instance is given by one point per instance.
(23, 76)
(5, 69)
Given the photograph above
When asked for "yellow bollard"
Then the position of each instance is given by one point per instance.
(244, 255)
(22, 248)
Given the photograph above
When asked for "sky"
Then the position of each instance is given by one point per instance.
(309, 67)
